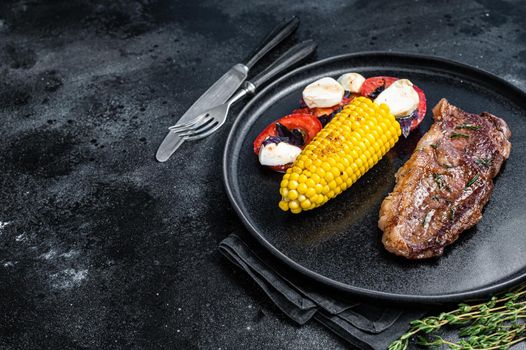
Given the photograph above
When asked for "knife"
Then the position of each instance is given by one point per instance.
(225, 87)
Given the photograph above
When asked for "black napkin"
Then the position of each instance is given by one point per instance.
(361, 323)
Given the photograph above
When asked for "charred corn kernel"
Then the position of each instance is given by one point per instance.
(349, 145)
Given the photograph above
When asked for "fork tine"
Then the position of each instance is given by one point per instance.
(193, 124)
(219, 117)
(204, 125)
(204, 134)
(201, 129)
(190, 131)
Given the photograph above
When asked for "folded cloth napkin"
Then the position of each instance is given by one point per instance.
(361, 323)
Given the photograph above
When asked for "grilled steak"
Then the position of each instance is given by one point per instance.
(443, 187)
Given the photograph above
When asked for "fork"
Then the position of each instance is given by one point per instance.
(210, 121)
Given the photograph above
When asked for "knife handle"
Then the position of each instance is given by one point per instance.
(280, 33)
(293, 55)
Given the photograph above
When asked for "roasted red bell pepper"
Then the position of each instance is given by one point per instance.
(307, 124)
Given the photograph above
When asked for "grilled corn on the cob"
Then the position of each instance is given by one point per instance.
(349, 145)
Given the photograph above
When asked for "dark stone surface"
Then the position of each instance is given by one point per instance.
(102, 247)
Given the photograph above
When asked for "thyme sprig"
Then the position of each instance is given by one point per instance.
(496, 324)
(452, 214)
(438, 180)
(468, 126)
(486, 162)
(457, 135)
(472, 181)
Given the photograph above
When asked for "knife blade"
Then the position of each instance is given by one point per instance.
(225, 87)
(218, 93)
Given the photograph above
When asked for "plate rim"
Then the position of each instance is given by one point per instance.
(319, 278)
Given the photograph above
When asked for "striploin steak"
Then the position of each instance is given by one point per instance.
(441, 190)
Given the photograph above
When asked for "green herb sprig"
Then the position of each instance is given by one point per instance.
(486, 162)
(468, 126)
(452, 214)
(496, 324)
(472, 181)
(441, 183)
(438, 180)
(458, 135)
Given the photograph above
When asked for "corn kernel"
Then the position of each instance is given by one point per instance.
(311, 192)
(306, 204)
(294, 205)
(292, 194)
(293, 184)
(284, 205)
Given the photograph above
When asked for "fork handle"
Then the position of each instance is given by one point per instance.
(280, 33)
(293, 55)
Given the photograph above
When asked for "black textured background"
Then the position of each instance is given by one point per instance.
(102, 247)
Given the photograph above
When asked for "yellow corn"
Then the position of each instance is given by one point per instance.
(349, 145)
